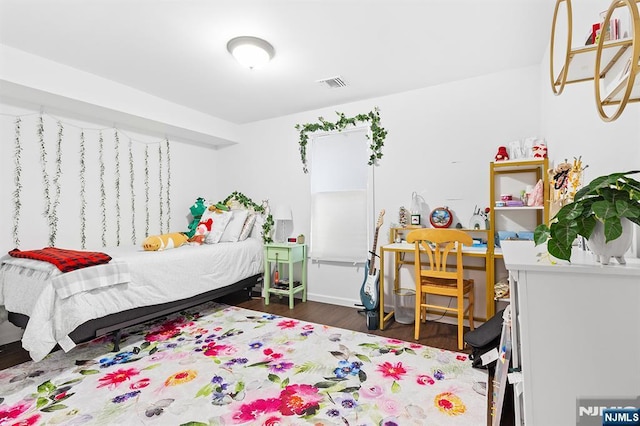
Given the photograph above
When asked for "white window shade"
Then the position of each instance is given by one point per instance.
(340, 196)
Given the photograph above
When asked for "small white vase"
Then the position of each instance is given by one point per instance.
(616, 248)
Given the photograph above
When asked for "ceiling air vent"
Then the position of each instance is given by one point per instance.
(333, 82)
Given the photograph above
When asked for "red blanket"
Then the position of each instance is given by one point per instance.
(63, 259)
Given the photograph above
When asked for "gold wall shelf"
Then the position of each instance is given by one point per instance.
(603, 62)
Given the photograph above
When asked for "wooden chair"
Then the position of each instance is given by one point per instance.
(437, 277)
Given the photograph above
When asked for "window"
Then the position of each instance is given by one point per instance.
(341, 196)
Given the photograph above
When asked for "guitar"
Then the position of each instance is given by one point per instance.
(370, 287)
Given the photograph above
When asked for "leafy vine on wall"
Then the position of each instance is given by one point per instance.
(48, 166)
(53, 212)
(43, 166)
(168, 185)
(83, 193)
(378, 133)
(160, 198)
(103, 192)
(17, 180)
(117, 184)
(263, 208)
(133, 194)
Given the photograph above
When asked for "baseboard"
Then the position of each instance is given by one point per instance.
(340, 301)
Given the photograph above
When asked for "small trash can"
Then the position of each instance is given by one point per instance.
(404, 306)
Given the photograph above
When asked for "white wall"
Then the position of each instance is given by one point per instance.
(440, 142)
(192, 175)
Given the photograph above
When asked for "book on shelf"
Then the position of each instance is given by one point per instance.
(611, 31)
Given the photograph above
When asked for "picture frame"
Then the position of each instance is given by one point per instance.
(415, 219)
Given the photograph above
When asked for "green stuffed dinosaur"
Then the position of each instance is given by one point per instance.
(197, 209)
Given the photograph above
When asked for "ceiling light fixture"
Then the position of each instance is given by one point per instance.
(252, 52)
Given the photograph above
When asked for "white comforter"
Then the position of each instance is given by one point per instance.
(155, 277)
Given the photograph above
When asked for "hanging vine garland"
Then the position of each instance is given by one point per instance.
(168, 186)
(17, 180)
(103, 193)
(83, 193)
(259, 208)
(117, 185)
(53, 213)
(133, 196)
(146, 189)
(43, 165)
(161, 189)
(378, 133)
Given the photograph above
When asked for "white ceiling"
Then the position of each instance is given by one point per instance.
(176, 49)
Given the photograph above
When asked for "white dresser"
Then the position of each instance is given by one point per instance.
(576, 331)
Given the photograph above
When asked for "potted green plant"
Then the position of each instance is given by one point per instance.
(599, 207)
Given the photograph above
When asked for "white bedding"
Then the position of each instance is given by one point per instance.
(155, 277)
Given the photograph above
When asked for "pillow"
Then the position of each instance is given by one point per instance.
(234, 227)
(256, 231)
(220, 221)
(248, 226)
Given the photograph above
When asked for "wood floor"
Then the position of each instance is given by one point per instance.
(432, 334)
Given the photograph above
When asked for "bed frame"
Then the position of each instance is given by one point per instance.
(116, 322)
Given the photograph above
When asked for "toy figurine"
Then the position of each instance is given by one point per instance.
(502, 154)
(540, 150)
(402, 217)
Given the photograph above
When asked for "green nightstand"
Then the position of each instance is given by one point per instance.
(285, 253)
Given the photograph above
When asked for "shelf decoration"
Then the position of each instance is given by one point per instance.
(565, 180)
(441, 217)
(378, 133)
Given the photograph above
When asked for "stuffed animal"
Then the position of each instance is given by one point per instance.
(540, 150)
(502, 154)
(164, 241)
(218, 207)
(201, 231)
(196, 213)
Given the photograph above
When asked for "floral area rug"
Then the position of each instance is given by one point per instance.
(223, 365)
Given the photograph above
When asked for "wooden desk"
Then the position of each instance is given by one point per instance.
(400, 249)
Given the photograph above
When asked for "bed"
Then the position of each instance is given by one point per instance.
(64, 309)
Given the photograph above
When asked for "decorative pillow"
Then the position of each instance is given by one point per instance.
(234, 227)
(220, 221)
(248, 226)
(256, 231)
